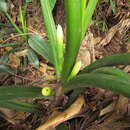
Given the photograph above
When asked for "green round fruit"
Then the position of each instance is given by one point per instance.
(46, 91)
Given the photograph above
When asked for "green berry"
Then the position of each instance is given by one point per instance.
(46, 91)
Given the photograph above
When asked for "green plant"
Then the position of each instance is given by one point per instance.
(98, 74)
(101, 24)
(113, 5)
(23, 32)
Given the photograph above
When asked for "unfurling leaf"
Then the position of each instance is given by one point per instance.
(60, 46)
(75, 70)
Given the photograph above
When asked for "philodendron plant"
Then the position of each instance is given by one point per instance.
(63, 54)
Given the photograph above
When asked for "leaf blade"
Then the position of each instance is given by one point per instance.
(116, 59)
(20, 91)
(39, 45)
(73, 11)
(51, 29)
(112, 71)
(109, 82)
(20, 106)
(52, 3)
(33, 58)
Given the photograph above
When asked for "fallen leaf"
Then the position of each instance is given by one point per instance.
(59, 117)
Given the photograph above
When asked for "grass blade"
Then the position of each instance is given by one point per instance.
(88, 15)
(23, 19)
(11, 44)
(116, 59)
(13, 23)
(113, 6)
(51, 29)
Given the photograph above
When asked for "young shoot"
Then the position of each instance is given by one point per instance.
(60, 48)
(75, 70)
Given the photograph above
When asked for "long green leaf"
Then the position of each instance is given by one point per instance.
(14, 24)
(33, 58)
(116, 59)
(112, 71)
(11, 44)
(41, 46)
(88, 15)
(51, 29)
(103, 70)
(52, 3)
(20, 106)
(23, 20)
(17, 92)
(109, 82)
(73, 11)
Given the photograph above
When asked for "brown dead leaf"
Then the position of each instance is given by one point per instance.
(47, 71)
(107, 109)
(8, 48)
(8, 114)
(87, 53)
(14, 60)
(60, 117)
(109, 36)
(119, 111)
(21, 53)
(121, 28)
